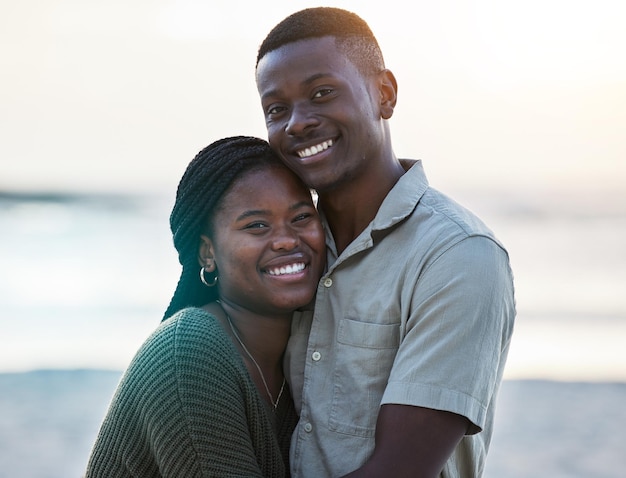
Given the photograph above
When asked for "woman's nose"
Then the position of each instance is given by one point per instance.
(285, 239)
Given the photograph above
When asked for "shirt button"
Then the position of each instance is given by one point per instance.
(328, 282)
(308, 427)
(316, 356)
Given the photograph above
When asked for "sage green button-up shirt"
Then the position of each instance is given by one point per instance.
(418, 310)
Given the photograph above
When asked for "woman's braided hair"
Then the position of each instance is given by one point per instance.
(203, 185)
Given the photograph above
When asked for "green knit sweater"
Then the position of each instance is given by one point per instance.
(187, 407)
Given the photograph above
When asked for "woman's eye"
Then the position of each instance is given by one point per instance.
(302, 217)
(255, 225)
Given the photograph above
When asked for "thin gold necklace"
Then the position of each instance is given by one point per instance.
(245, 349)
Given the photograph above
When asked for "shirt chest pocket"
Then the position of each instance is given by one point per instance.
(364, 356)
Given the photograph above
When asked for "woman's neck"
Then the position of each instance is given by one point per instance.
(260, 339)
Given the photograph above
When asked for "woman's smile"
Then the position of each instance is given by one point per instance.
(268, 246)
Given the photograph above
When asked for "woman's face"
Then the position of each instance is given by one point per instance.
(268, 242)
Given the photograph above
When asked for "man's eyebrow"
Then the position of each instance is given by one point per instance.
(307, 81)
(316, 77)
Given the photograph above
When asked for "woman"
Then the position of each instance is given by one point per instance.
(206, 395)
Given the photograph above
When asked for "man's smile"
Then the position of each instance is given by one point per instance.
(313, 150)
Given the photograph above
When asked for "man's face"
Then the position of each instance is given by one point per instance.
(322, 115)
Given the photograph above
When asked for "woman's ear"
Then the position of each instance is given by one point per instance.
(206, 254)
(388, 93)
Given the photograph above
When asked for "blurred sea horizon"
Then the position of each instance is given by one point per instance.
(87, 276)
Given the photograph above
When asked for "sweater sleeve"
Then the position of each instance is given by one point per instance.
(186, 407)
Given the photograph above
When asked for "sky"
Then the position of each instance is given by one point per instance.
(120, 95)
(524, 101)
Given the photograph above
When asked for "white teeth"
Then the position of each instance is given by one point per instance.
(290, 269)
(315, 149)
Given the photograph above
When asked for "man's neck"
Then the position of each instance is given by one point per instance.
(351, 208)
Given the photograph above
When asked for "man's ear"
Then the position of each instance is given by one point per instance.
(206, 254)
(388, 93)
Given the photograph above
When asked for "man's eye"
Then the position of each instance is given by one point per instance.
(273, 110)
(323, 92)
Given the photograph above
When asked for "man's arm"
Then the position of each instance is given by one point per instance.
(472, 320)
(412, 442)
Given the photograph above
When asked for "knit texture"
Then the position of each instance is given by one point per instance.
(187, 407)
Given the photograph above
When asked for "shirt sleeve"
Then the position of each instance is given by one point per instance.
(456, 338)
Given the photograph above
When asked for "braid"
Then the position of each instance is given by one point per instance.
(204, 183)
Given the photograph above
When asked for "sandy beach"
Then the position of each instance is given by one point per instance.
(544, 428)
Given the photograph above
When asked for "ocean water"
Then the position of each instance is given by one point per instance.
(84, 278)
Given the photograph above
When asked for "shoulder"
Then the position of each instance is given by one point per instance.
(195, 334)
(426, 212)
(184, 379)
(432, 223)
(439, 224)
(188, 356)
(448, 211)
(191, 336)
(191, 322)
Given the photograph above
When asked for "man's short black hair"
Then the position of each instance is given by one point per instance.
(352, 34)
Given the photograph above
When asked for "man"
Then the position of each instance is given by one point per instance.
(397, 370)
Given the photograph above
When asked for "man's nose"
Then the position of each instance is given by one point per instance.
(300, 120)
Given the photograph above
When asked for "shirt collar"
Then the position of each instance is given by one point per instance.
(403, 197)
(397, 205)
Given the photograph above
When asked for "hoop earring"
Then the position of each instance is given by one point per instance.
(203, 279)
